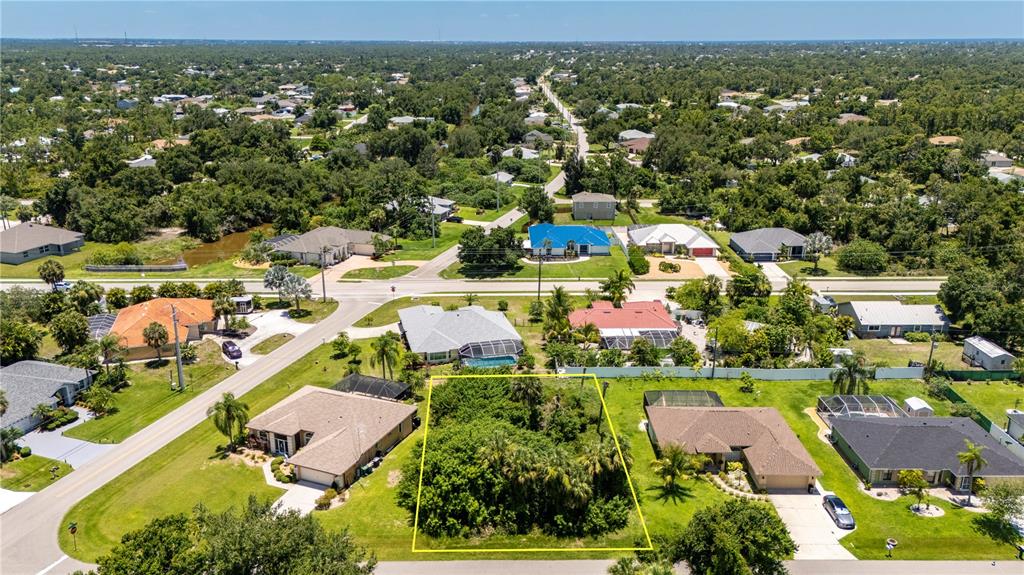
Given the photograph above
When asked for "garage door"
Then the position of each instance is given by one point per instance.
(763, 257)
(703, 252)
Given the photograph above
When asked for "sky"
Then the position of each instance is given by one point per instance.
(500, 21)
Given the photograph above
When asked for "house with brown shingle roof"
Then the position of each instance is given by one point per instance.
(758, 436)
(327, 435)
(195, 317)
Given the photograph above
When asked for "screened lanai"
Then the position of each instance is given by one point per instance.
(858, 406)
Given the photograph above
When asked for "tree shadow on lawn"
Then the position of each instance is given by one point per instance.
(997, 529)
(482, 271)
(673, 493)
(277, 304)
(810, 271)
(157, 363)
(298, 313)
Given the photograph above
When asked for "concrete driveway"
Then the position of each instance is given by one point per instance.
(54, 445)
(814, 532)
(778, 278)
(711, 267)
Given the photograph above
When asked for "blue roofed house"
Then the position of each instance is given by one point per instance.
(563, 241)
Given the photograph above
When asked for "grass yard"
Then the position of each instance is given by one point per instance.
(599, 267)
(882, 352)
(378, 273)
(189, 470)
(448, 236)
(150, 396)
(993, 398)
(827, 267)
(565, 218)
(471, 213)
(311, 311)
(271, 343)
(907, 299)
(31, 473)
(652, 216)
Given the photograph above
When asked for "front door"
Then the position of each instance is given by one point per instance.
(280, 445)
(895, 331)
(584, 249)
(965, 483)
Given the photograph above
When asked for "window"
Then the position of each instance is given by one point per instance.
(874, 327)
(437, 355)
(887, 476)
(262, 435)
(306, 437)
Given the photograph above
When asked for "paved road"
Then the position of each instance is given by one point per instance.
(582, 146)
(433, 268)
(28, 541)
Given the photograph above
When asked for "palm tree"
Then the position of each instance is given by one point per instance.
(3, 402)
(471, 298)
(526, 390)
(618, 286)
(851, 377)
(51, 272)
(559, 330)
(229, 417)
(111, 348)
(223, 307)
(43, 412)
(7, 446)
(385, 353)
(156, 337)
(559, 305)
(495, 451)
(672, 465)
(971, 457)
(587, 333)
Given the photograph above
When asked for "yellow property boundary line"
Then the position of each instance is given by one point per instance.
(618, 449)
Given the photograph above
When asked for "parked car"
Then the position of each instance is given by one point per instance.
(455, 219)
(231, 350)
(839, 512)
(63, 286)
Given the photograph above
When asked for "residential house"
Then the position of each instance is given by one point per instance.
(28, 241)
(768, 244)
(877, 319)
(549, 240)
(373, 386)
(1015, 424)
(472, 335)
(397, 121)
(27, 384)
(144, 161)
(442, 208)
(592, 206)
(673, 239)
(846, 160)
(634, 135)
(327, 244)
(195, 317)
(328, 435)
(621, 326)
(536, 119)
(756, 436)
(532, 137)
(524, 153)
(502, 177)
(636, 145)
(980, 352)
(993, 159)
(878, 448)
(127, 103)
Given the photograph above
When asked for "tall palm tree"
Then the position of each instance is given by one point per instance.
(111, 348)
(385, 353)
(618, 286)
(971, 457)
(156, 337)
(672, 465)
(587, 333)
(229, 417)
(851, 377)
(8, 437)
(223, 307)
(594, 458)
(526, 390)
(559, 305)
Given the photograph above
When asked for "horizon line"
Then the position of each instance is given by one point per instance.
(122, 40)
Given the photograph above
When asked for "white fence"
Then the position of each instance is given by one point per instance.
(810, 373)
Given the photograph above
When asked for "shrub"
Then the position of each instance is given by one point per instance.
(863, 256)
(25, 451)
(275, 464)
(526, 361)
(734, 466)
(638, 263)
(747, 383)
(916, 336)
(502, 305)
(324, 501)
(669, 267)
(961, 409)
(61, 417)
(536, 311)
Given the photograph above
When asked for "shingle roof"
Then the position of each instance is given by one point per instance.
(586, 197)
(29, 236)
(26, 384)
(344, 425)
(894, 313)
(768, 444)
(134, 319)
(311, 241)
(767, 240)
(929, 443)
(430, 329)
(560, 236)
(680, 234)
(632, 314)
(634, 135)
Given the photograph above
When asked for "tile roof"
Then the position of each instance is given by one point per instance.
(768, 444)
(29, 236)
(344, 425)
(133, 320)
(929, 443)
(560, 236)
(632, 314)
(430, 329)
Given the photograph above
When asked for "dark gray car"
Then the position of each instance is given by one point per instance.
(839, 512)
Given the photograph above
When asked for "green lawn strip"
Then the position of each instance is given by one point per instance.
(471, 213)
(378, 273)
(48, 348)
(31, 473)
(189, 470)
(882, 352)
(955, 536)
(150, 396)
(448, 235)
(992, 398)
(827, 266)
(652, 216)
(594, 267)
(271, 343)
(565, 218)
(310, 311)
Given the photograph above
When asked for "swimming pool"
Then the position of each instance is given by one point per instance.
(485, 362)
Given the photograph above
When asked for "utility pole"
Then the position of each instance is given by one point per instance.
(323, 266)
(931, 349)
(433, 231)
(177, 349)
(714, 355)
(540, 264)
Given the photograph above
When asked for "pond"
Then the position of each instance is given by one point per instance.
(226, 247)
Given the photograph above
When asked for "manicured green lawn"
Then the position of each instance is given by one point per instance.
(595, 267)
(271, 343)
(448, 236)
(189, 470)
(378, 273)
(31, 473)
(310, 311)
(565, 218)
(993, 398)
(882, 352)
(826, 267)
(652, 216)
(150, 396)
(470, 213)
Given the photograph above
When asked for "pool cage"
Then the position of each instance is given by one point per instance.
(858, 406)
(494, 348)
(624, 338)
(682, 398)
